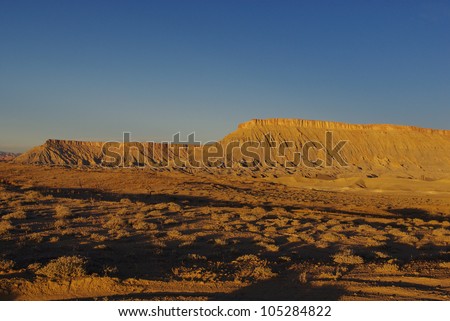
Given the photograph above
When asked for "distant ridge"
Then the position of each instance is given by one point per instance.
(7, 156)
(376, 149)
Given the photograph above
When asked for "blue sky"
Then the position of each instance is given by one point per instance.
(92, 69)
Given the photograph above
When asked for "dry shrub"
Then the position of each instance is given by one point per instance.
(258, 211)
(126, 201)
(281, 222)
(139, 222)
(306, 237)
(252, 268)
(174, 234)
(173, 207)
(6, 265)
(381, 255)
(62, 211)
(33, 267)
(387, 268)
(97, 237)
(280, 211)
(220, 242)
(119, 234)
(140, 225)
(15, 203)
(347, 257)
(268, 247)
(366, 229)
(115, 223)
(5, 227)
(19, 214)
(196, 267)
(156, 213)
(157, 243)
(64, 267)
(410, 239)
(193, 257)
(109, 270)
(33, 195)
(173, 221)
(246, 217)
(59, 224)
(252, 228)
(440, 231)
(152, 226)
(140, 216)
(444, 265)
(161, 206)
(330, 237)
(195, 273)
(35, 238)
(270, 231)
(122, 211)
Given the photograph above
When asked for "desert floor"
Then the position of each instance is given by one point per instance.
(95, 234)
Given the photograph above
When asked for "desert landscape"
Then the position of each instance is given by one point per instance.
(374, 228)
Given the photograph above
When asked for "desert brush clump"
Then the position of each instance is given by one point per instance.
(258, 211)
(196, 273)
(64, 267)
(19, 214)
(347, 257)
(174, 207)
(387, 268)
(6, 265)
(5, 226)
(60, 224)
(33, 195)
(115, 222)
(251, 268)
(62, 211)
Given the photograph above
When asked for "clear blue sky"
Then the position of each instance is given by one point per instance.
(92, 69)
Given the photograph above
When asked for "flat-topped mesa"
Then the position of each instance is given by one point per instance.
(306, 123)
(377, 148)
(75, 153)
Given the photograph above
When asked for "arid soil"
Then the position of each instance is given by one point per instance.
(97, 234)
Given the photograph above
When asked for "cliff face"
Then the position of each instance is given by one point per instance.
(305, 123)
(377, 148)
(374, 148)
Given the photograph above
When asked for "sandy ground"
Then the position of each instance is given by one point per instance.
(135, 234)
